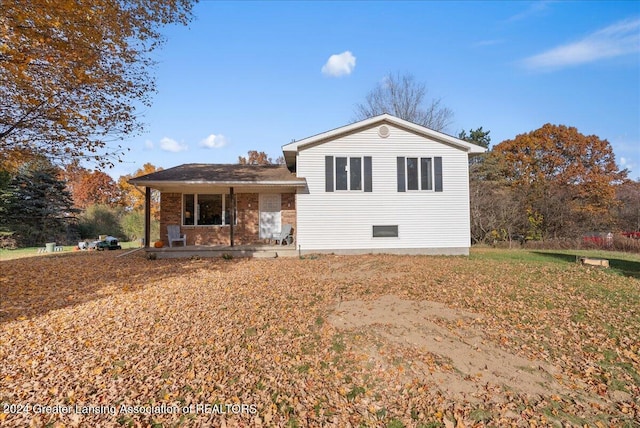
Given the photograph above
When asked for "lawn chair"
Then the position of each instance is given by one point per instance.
(285, 237)
(175, 236)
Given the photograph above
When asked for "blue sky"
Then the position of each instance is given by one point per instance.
(256, 75)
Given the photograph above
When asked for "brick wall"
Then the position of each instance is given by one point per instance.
(248, 223)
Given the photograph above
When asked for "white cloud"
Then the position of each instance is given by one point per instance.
(339, 64)
(214, 141)
(621, 38)
(148, 144)
(170, 145)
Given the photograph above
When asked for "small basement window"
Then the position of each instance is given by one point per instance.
(385, 231)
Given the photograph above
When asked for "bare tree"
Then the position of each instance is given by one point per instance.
(404, 97)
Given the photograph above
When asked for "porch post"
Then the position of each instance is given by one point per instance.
(232, 214)
(147, 216)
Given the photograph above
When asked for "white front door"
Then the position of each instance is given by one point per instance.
(269, 215)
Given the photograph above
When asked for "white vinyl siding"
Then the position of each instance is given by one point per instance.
(344, 220)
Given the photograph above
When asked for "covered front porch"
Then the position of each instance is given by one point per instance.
(222, 208)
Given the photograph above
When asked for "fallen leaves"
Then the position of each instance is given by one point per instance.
(256, 332)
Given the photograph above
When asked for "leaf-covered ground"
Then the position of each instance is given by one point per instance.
(255, 343)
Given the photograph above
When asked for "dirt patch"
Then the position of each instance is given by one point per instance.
(451, 336)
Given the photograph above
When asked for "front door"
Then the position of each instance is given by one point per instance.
(269, 215)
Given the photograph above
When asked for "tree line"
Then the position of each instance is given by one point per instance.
(41, 202)
(550, 183)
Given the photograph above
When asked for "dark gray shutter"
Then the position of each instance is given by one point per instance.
(368, 182)
(328, 173)
(401, 174)
(437, 169)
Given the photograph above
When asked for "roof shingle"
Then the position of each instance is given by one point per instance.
(220, 173)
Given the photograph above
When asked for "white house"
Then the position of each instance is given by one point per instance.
(379, 185)
(382, 185)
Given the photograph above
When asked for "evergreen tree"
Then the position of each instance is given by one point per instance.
(36, 205)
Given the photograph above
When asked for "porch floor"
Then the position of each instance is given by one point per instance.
(254, 250)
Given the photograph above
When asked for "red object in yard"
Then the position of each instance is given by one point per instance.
(634, 235)
(601, 239)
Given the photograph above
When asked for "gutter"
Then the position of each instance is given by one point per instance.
(220, 183)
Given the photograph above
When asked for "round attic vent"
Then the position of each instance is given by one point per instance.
(383, 131)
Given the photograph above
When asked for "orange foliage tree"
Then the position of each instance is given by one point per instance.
(132, 198)
(564, 177)
(72, 73)
(255, 157)
(90, 187)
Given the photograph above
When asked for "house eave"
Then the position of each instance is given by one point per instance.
(238, 184)
(292, 148)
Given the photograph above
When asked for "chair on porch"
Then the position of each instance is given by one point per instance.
(174, 235)
(285, 237)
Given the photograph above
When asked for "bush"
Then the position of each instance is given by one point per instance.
(132, 224)
(100, 220)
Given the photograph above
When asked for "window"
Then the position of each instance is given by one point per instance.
(188, 211)
(412, 174)
(348, 173)
(206, 210)
(427, 174)
(419, 174)
(385, 231)
(341, 174)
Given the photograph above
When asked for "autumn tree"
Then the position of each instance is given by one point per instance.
(132, 198)
(90, 187)
(628, 210)
(496, 213)
(567, 179)
(255, 157)
(74, 72)
(402, 96)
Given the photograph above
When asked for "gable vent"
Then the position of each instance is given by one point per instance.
(383, 131)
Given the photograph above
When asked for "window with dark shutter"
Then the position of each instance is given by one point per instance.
(341, 174)
(419, 174)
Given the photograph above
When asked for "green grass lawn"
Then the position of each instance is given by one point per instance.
(66, 249)
(627, 264)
